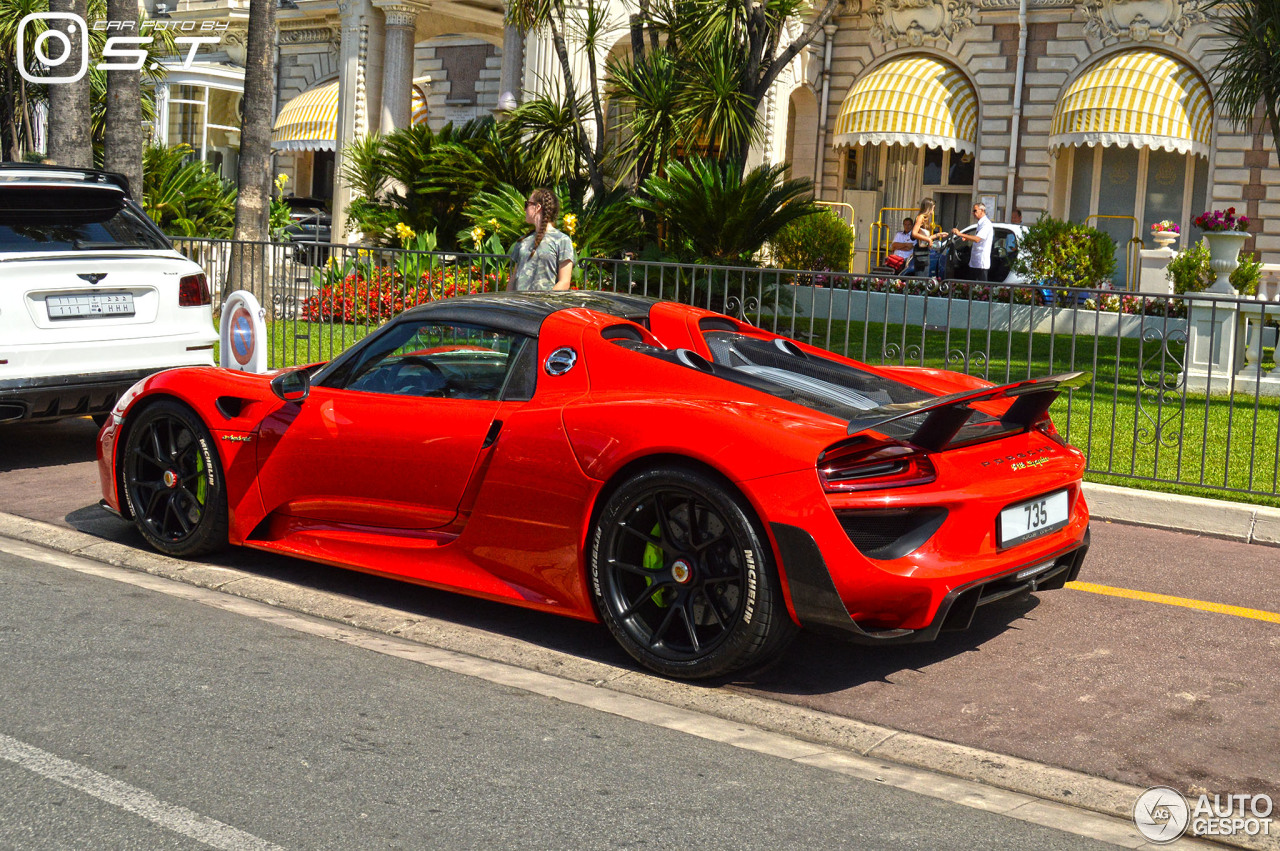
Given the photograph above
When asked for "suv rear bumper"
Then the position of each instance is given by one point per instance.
(56, 397)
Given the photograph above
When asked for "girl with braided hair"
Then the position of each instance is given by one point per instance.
(543, 260)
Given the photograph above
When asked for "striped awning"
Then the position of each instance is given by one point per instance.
(308, 122)
(1139, 98)
(916, 100)
(417, 106)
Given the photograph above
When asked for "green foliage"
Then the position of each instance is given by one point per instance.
(1190, 272)
(424, 179)
(712, 213)
(821, 242)
(1063, 253)
(602, 227)
(550, 139)
(1245, 68)
(183, 196)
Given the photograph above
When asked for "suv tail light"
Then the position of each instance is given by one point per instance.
(871, 464)
(193, 291)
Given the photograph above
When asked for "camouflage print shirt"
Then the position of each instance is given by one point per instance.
(539, 269)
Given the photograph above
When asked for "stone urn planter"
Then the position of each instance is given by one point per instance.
(1164, 238)
(1224, 257)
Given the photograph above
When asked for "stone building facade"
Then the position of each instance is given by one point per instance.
(1100, 110)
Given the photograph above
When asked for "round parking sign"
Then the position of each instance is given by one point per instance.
(244, 333)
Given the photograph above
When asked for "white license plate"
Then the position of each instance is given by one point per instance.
(95, 304)
(1033, 518)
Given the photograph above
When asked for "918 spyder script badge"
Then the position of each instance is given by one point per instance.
(238, 438)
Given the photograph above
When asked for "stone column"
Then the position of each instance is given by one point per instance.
(512, 69)
(397, 65)
(353, 121)
(160, 129)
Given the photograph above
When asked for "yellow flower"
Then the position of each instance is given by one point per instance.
(362, 253)
(477, 234)
(493, 223)
(404, 231)
(570, 223)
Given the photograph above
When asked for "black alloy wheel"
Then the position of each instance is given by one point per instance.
(684, 579)
(173, 481)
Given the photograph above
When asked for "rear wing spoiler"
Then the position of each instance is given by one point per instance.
(946, 415)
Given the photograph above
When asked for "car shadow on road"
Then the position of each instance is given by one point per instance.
(821, 664)
(26, 446)
(814, 664)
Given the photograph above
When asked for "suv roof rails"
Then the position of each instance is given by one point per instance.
(47, 170)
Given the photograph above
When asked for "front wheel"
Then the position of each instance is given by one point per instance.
(684, 579)
(173, 481)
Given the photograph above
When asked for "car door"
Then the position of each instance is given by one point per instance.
(390, 436)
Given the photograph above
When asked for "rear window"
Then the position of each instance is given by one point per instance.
(117, 227)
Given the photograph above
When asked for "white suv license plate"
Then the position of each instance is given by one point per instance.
(1033, 518)
(97, 304)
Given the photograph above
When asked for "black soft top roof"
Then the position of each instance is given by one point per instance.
(524, 312)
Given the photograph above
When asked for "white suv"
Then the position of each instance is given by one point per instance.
(92, 295)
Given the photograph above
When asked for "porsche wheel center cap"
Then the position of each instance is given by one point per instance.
(170, 479)
(681, 571)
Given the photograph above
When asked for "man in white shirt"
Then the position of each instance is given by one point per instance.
(903, 241)
(980, 256)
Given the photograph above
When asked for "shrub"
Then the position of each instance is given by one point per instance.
(712, 212)
(1062, 253)
(1190, 272)
(821, 242)
(184, 196)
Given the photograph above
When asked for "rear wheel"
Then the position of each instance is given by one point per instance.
(683, 577)
(173, 481)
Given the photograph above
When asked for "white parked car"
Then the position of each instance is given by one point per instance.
(93, 296)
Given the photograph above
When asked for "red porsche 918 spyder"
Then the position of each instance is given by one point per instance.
(703, 487)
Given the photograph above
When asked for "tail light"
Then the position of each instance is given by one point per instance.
(872, 464)
(193, 291)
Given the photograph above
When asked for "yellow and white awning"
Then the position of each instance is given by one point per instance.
(308, 122)
(1139, 98)
(916, 100)
(417, 106)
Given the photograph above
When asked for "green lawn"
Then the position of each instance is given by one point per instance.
(1177, 441)
(1220, 446)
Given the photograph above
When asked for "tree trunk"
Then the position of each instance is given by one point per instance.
(69, 140)
(562, 51)
(253, 203)
(122, 140)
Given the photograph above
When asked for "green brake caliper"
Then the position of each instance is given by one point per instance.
(652, 560)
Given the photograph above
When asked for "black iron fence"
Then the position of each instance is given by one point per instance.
(1183, 392)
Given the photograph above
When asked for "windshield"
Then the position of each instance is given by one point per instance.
(77, 230)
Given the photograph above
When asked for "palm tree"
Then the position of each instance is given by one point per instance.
(19, 97)
(69, 140)
(1247, 70)
(122, 137)
(588, 25)
(253, 203)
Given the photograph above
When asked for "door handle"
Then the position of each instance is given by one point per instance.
(494, 428)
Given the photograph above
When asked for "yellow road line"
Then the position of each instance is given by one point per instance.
(1220, 608)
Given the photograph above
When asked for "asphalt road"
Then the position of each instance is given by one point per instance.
(133, 719)
(1139, 692)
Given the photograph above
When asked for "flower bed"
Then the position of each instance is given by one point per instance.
(373, 294)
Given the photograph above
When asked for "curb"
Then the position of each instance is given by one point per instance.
(1236, 521)
(1048, 783)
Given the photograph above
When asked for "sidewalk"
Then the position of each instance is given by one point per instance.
(1236, 521)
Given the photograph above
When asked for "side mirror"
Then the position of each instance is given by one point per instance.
(292, 386)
